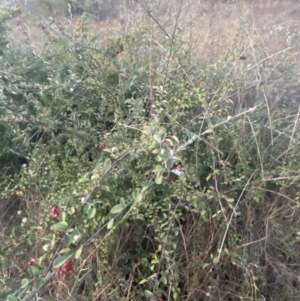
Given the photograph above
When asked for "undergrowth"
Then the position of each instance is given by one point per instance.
(133, 168)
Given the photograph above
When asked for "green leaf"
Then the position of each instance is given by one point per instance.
(158, 179)
(48, 276)
(59, 261)
(95, 177)
(106, 188)
(191, 135)
(206, 264)
(157, 137)
(148, 294)
(85, 178)
(64, 250)
(12, 298)
(62, 217)
(230, 200)
(61, 226)
(215, 260)
(164, 280)
(159, 168)
(24, 282)
(153, 276)
(34, 271)
(145, 188)
(160, 136)
(68, 240)
(117, 208)
(91, 212)
(143, 281)
(72, 210)
(98, 167)
(110, 224)
(169, 164)
(122, 202)
(78, 253)
(175, 138)
(75, 235)
(139, 198)
(40, 283)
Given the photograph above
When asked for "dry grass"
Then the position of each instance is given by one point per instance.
(213, 30)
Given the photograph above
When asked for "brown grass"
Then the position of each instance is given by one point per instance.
(212, 29)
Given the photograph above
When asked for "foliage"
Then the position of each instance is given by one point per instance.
(140, 175)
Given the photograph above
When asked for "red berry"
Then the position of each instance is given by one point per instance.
(263, 82)
(31, 262)
(166, 141)
(166, 178)
(54, 211)
(67, 267)
(102, 146)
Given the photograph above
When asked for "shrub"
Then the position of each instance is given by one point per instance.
(149, 173)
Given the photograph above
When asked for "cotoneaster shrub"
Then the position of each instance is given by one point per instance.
(147, 177)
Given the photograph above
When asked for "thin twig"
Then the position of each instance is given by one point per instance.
(231, 217)
(152, 17)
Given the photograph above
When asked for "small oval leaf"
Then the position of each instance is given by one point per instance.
(157, 137)
(68, 240)
(148, 294)
(91, 212)
(95, 177)
(139, 198)
(169, 164)
(34, 271)
(40, 283)
(164, 280)
(110, 224)
(143, 281)
(117, 208)
(59, 261)
(78, 253)
(61, 226)
(159, 168)
(62, 217)
(24, 282)
(12, 298)
(64, 250)
(158, 179)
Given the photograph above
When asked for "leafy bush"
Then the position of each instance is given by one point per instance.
(141, 173)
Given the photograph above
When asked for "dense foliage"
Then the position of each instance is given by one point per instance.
(132, 171)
